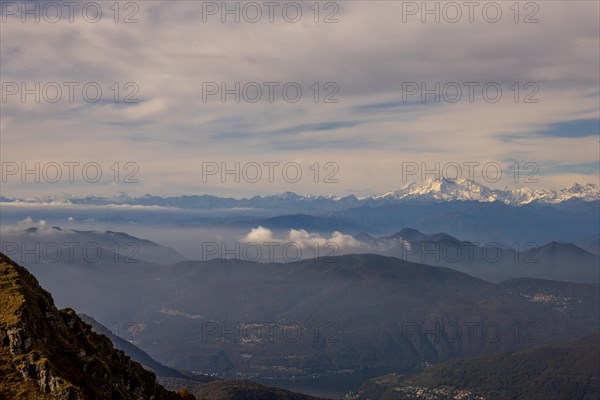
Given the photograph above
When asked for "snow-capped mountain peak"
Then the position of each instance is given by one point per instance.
(463, 189)
(429, 190)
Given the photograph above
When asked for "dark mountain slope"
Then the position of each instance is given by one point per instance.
(141, 356)
(50, 354)
(569, 371)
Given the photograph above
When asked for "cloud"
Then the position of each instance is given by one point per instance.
(20, 227)
(369, 54)
(303, 239)
(28, 222)
(306, 244)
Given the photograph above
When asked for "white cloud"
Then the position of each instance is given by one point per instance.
(305, 240)
(26, 222)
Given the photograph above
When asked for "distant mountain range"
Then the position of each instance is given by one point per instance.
(464, 189)
(489, 261)
(461, 208)
(57, 245)
(571, 221)
(428, 191)
(328, 316)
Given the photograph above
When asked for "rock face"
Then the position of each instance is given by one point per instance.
(47, 353)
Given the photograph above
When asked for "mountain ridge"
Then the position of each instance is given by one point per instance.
(46, 353)
(442, 189)
(232, 305)
(490, 261)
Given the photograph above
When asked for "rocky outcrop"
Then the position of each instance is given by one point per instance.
(46, 353)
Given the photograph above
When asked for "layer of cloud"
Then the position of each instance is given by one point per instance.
(368, 54)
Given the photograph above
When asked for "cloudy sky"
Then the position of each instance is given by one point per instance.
(368, 61)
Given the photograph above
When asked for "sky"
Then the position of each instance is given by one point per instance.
(357, 116)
